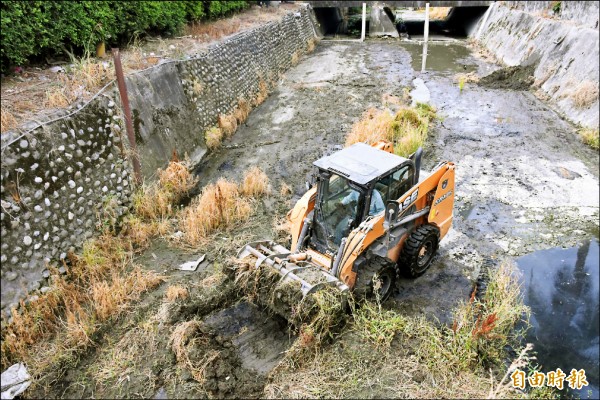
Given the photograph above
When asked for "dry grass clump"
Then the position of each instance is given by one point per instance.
(116, 362)
(176, 292)
(112, 297)
(189, 335)
(242, 111)
(176, 179)
(57, 99)
(407, 129)
(591, 137)
(213, 137)
(219, 205)
(295, 58)
(255, 183)
(227, 124)
(375, 125)
(389, 99)
(263, 92)
(585, 94)
(222, 204)
(7, 121)
(84, 79)
(438, 12)
(311, 45)
(139, 231)
(96, 287)
(207, 31)
(285, 189)
(155, 201)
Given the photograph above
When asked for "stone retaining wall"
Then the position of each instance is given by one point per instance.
(564, 52)
(61, 182)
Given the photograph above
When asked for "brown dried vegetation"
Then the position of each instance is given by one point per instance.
(585, 94)
(99, 285)
(221, 205)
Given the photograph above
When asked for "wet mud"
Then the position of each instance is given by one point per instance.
(524, 182)
(515, 78)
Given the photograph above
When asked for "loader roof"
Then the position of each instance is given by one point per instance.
(360, 163)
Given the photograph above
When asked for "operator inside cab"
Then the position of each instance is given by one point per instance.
(343, 227)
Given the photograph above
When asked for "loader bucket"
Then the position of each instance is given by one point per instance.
(298, 279)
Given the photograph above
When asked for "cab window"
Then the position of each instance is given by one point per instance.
(394, 185)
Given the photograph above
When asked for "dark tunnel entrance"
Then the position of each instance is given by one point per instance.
(459, 23)
(347, 21)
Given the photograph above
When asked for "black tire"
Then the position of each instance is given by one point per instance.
(418, 251)
(375, 279)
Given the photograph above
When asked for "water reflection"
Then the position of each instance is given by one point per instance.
(444, 57)
(561, 287)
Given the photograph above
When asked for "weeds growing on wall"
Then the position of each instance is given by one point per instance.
(227, 124)
(585, 94)
(100, 282)
(591, 137)
(99, 285)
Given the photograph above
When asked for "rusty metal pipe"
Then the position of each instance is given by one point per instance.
(135, 160)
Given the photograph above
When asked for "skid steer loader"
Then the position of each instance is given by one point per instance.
(370, 217)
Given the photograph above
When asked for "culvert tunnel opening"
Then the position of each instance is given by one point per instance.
(458, 23)
(445, 22)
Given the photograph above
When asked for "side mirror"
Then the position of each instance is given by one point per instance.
(391, 213)
(308, 185)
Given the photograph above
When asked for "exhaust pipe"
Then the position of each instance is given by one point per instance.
(416, 158)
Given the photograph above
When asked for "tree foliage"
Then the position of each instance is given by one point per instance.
(35, 29)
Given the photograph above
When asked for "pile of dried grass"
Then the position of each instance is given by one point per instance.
(219, 205)
(585, 94)
(255, 183)
(407, 128)
(222, 205)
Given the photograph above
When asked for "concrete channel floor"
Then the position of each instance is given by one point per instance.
(524, 179)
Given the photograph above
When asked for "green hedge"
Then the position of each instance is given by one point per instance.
(40, 28)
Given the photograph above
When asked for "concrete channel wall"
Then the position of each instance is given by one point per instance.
(563, 48)
(62, 181)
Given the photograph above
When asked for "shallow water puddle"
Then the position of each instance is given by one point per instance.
(441, 57)
(561, 287)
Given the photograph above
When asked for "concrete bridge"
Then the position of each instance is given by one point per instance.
(396, 4)
(332, 15)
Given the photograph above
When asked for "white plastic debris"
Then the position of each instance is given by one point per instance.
(14, 381)
(192, 265)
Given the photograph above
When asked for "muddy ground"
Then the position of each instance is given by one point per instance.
(524, 182)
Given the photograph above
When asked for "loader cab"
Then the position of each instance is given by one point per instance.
(353, 185)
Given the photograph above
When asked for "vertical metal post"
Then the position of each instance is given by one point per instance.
(364, 23)
(135, 160)
(426, 37)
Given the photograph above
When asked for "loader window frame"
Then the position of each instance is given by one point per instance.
(392, 185)
(329, 229)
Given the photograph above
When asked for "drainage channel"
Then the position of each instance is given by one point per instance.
(560, 285)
